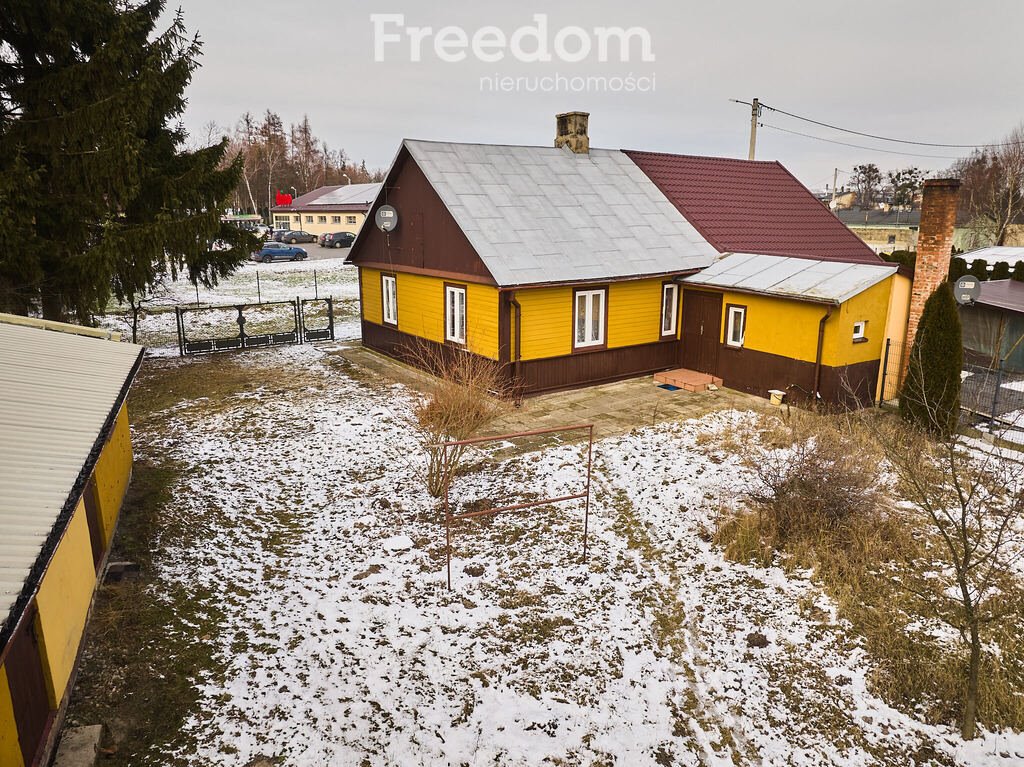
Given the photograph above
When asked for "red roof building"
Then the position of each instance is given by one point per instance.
(752, 206)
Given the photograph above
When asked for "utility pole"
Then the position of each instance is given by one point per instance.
(835, 180)
(755, 113)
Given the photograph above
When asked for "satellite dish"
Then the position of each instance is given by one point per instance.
(967, 289)
(386, 218)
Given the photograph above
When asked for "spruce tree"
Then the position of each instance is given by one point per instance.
(930, 398)
(979, 268)
(1018, 272)
(957, 268)
(1001, 270)
(93, 162)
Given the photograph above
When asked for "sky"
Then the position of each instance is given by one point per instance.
(934, 71)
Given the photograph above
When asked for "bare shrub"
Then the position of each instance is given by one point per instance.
(467, 393)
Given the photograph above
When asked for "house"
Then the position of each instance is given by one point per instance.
(327, 209)
(993, 326)
(65, 463)
(572, 266)
(883, 230)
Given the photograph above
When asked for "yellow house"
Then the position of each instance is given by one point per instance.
(570, 266)
(327, 209)
(65, 464)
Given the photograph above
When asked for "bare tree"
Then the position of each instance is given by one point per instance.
(992, 190)
(867, 181)
(973, 501)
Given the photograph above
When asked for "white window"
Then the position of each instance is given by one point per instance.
(860, 330)
(589, 318)
(335, 219)
(669, 308)
(736, 322)
(321, 219)
(298, 218)
(455, 314)
(350, 219)
(389, 294)
(309, 219)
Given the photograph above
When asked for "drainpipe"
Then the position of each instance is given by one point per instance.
(821, 346)
(517, 311)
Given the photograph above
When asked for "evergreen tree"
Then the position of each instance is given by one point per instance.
(930, 398)
(1018, 272)
(979, 268)
(1000, 270)
(957, 268)
(106, 195)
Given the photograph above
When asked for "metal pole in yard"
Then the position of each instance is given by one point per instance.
(197, 294)
(259, 296)
(995, 393)
(586, 508)
(316, 290)
(447, 517)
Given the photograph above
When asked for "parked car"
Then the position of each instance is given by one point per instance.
(340, 240)
(277, 251)
(323, 236)
(297, 235)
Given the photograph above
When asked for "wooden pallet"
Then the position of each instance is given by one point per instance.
(688, 380)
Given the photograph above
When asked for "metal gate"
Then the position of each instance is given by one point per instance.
(209, 329)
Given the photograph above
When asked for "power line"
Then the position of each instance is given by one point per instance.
(858, 146)
(874, 136)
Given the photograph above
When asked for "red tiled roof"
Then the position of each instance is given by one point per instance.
(752, 206)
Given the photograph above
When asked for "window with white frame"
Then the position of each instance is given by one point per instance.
(669, 308)
(455, 314)
(321, 219)
(735, 325)
(389, 297)
(335, 219)
(298, 218)
(860, 330)
(350, 219)
(588, 316)
(309, 219)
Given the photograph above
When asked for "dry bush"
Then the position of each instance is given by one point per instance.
(468, 392)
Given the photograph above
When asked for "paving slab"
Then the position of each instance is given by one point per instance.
(79, 746)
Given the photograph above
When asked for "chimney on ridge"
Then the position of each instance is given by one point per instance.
(939, 203)
(571, 131)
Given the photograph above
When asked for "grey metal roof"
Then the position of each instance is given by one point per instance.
(350, 194)
(1003, 294)
(831, 282)
(546, 215)
(56, 391)
(996, 253)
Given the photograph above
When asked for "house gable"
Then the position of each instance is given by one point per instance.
(427, 240)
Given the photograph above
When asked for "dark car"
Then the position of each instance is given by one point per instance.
(323, 236)
(296, 235)
(277, 251)
(340, 240)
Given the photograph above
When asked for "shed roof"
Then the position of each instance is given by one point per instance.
(995, 253)
(57, 394)
(539, 215)
(1003, 294)
(827, 282)
(752, 206)
(338, 197)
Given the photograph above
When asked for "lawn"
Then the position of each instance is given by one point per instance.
(292, 606)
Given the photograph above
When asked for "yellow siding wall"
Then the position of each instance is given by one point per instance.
(634, 317)
(634, 313)
(547, 322)
(790, 328)
(63, 600)
(421, 308)
(113, 472)
(10, 750)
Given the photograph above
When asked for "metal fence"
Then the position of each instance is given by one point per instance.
(208, 329)
(987, 392)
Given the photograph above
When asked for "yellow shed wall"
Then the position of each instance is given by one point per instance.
(777, 326)
(369, 296)
(63, 600)
(10, 749)
(872, 306)
(113, 472)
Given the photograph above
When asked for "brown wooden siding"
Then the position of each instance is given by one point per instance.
(427, 236)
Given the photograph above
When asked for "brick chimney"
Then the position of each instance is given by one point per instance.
(939, 202)
(571, 131)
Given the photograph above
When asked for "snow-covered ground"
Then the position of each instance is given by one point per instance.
(340, 645)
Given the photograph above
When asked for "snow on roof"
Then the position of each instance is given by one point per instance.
(343, 196)
(56, 393)
(831, 282)
(996, 253)
(546, 215)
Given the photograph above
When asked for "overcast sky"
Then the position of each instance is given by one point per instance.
(928, 70)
